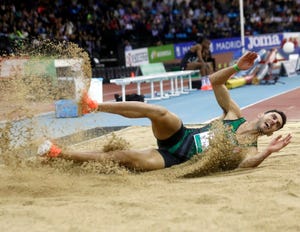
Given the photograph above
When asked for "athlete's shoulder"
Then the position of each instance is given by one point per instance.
(195, 47)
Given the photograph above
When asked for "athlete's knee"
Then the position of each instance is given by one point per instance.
(128, 158)
(141, 160)
(148, 163)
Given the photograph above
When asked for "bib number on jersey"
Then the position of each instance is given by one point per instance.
(202, 141)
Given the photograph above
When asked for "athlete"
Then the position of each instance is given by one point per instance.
(199, 57)
(177, 143)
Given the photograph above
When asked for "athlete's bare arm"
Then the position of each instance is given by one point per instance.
(218, 80)
(198, 48)
(253, 159)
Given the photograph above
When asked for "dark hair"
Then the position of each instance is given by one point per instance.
(283, 116)
(201, 39)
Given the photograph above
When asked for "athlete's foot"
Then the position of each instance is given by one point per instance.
(48, 149)
(87, 104)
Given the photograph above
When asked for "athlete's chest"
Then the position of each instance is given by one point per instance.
(243, 137)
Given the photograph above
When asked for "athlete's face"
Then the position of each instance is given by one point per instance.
(206, 44)
(269, 122)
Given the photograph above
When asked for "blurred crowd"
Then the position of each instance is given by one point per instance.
(102, 26)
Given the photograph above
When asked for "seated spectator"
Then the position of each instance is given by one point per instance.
(199, 57)
(127, 46)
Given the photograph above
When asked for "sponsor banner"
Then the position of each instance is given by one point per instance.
(161, 53)
(181, 48)
(293, 37)
(136, 57)
(225, 45)
(218, 46)
(253, 43)
(266, 41)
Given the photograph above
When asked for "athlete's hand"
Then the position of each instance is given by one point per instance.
(278, 143)
(246, 61)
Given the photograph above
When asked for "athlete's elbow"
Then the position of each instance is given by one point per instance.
(214, 81)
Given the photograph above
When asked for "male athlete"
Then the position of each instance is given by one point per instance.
(199, 57)
(176, 143)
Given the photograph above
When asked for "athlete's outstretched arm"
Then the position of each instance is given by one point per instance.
(275, 145)
(245, 62)
(199, 53)
(219, 78)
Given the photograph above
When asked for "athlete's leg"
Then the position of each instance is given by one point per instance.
(204, 68)
(164, 122)
(144, 160)
(193, 66)
(207, 69)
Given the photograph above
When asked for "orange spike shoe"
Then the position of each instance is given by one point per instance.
(87, 104)
(48, 149)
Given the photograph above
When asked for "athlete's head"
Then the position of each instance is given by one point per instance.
(270, 121)
(203, 41)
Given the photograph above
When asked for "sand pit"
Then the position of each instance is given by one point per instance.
(62, 196)
(48, 198)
